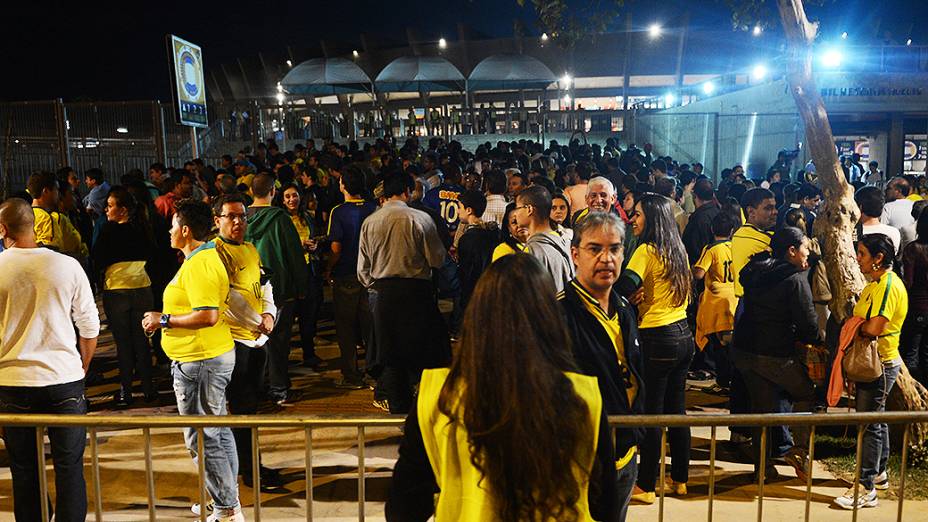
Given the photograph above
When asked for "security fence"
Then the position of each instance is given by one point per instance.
(308, 424)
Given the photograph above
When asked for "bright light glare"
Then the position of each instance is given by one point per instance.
(289, 63)
(280, 88)
(708, 87)
(757, 30)
(566, 99)
(544, 37)
(654, 31)
(122, 130)
(280, 97)
(354, 53)
(567, 80)
(759, 72)
(908, 42)
(669, 99)
(832, 58)
(844, 35)
(442, 43)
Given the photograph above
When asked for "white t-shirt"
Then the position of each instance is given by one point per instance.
(898, 213)
(43, 296)
(886, 230)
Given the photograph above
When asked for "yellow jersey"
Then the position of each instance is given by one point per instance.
(302, 228)
(886, 297)
(243, 264)
(716, 311)
(201, 284)
(47, 228)
(657, 309)
(503, 249)
(745, 242)
(463, 494)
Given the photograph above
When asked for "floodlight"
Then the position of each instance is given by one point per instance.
(567, 99)
(757, 30)
(654, 31)
(289, 63)
(544, 37)
(122, 130)
(354, 53)
(567, 80)
(708, 88)
(844, 35)
(442, 43)
(280, 97)
(669, 99)
(759, 72)
(832, 58)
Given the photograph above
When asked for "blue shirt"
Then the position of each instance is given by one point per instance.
(96, 200)
(345, 228)
(443, 198)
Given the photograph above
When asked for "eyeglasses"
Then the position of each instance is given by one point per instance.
(614, 251)
(520, 207)
(242, 218)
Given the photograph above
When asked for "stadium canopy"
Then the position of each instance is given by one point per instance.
(420, 74)
(510, 71)
(325, 77)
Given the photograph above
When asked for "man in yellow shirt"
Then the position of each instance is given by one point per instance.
(43, 188)
(200, 344)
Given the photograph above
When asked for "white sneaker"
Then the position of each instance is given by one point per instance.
(865, 499)
(881, 481)
(227, 515)
(195, 509)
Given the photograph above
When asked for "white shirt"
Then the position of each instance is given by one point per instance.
(897, 213)
(888, 231)
(43, 296)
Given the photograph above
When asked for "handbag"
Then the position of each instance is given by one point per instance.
(862, 362)
(816, 359)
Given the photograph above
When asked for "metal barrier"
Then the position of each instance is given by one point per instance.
(146, 423)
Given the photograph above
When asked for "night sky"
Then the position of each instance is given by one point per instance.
(89, 51)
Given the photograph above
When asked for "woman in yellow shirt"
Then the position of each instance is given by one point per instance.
(509, 432)
(658, 279)
(883, 304)
(513, 236)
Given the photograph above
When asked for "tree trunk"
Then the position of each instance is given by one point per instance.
(834, 226)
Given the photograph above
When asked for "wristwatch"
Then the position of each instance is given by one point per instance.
(164, 320)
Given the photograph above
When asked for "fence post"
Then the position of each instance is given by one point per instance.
(157, 125)
(61, 131)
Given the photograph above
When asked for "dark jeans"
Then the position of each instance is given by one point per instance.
(871, 396)
(278, 350)
(307, 314)
(397, 384)
(719, 358)
(243, 392)
(67, 450)
(624, 484)
(353, 323)
(124, 310)
(913, 346)
(775, 383)
(667, 352)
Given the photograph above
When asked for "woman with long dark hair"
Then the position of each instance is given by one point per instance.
(120, 253)
(657, 278)
(778, 314)
(509, 432)
(512, 235)
(883, 305)
(294, 201)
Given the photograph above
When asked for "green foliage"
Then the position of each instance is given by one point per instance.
(568, 23)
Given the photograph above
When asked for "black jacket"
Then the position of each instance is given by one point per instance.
(778, 309)
(595, 355)
(698, 231)
(475, 252)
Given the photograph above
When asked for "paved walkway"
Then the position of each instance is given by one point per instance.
(335, 486)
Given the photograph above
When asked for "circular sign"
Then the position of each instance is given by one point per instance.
(189, 71)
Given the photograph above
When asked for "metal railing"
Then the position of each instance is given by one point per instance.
(308, 424)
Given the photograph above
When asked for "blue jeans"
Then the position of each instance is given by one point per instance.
(200, 388)
(624, 484)
(67, 450)
(871, 396)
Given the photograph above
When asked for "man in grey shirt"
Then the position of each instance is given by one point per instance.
(399, 248)
(533, 211)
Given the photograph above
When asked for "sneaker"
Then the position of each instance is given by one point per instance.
(382, 404)
(799, 460)
(195, 509)
(672, 487)
(737, 438)
(881, 481)
(227, 515)
(864, 499)
(122, 398)
(642, 496)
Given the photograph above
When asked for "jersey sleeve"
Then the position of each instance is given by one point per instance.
(44, 232)
(336, 231)
(640, 263)
(886, 298)
(705, 260)
(207, 284)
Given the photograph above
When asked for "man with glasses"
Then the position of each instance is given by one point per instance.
(605, 333)
(273, 234)
(250, 317)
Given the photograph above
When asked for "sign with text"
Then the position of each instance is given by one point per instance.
(188, 80)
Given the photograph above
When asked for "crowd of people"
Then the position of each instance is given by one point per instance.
(584, 281)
